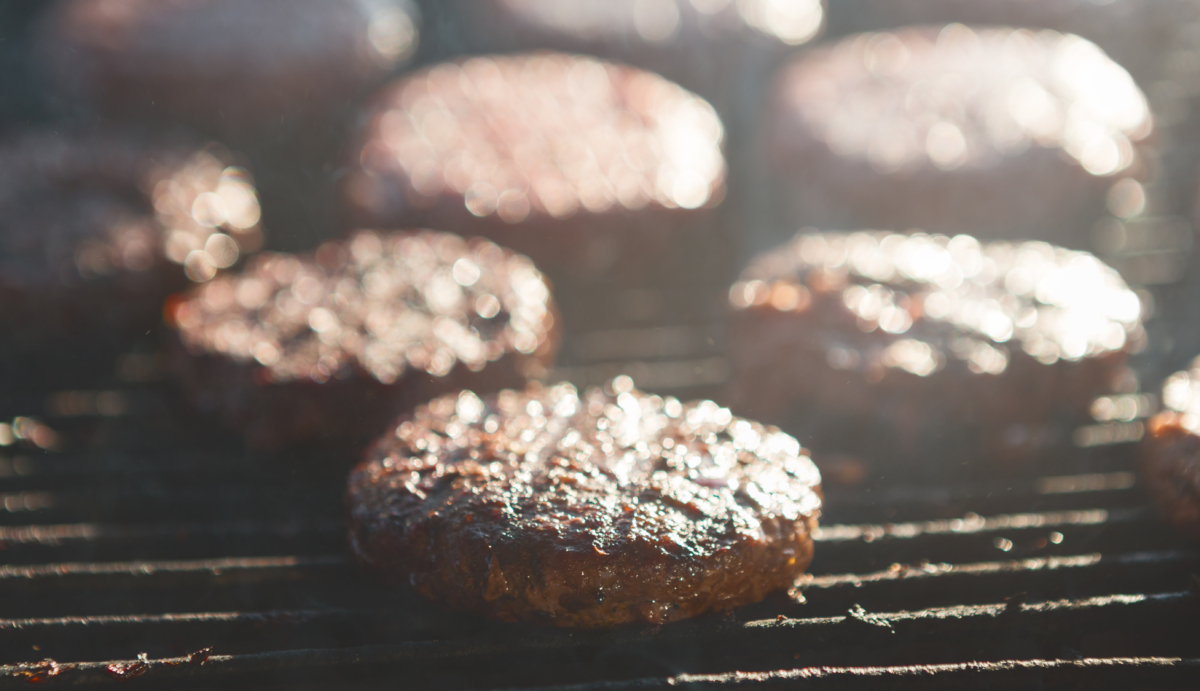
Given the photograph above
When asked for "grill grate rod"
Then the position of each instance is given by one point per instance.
(853, 629)
(69, 465)
(1105, 671)
(123, 620)
(142, 569)
(900, 572)
(972, 524)
(266, 567)
(149, 504)
(930, 585)
(859, 548)
(1047, 485)
(141, 498)
(54, 535)
(106, 636)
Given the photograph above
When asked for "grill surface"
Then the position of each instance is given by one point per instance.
(148, 547)
(145, 546)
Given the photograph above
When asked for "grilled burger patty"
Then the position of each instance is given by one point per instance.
(580, 164)
(332, 346)
(589, 510)
(1170, 453)
(1004, 132)
(940, 348)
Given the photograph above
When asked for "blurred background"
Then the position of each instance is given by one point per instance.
(728, 53)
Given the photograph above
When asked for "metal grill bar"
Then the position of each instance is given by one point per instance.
(224, 472)
(1105, 671)
(258, 568)
(56, 535)
(919, 503)
(975, 538)
(927, 585)
(1050, 619)
(252, 498)
(61, 468)
(101, 637)
(150, 619)
(969, 525)
(122, 503)
(1113, 606)
(71, 534)
(898, 572)
(151, 568)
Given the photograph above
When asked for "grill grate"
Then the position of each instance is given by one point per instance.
(179, 561)
(146, 547)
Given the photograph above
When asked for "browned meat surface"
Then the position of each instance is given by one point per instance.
(586, 510)
(224, 64)
(98, 228)
(924, 347)
(1003, 133)
(335, 345)
(573, 161)
(1170, 453)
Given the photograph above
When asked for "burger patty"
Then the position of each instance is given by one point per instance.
(1170, 453)
(913, 349)
(334, 345)
(580, 164)
(953, 129)
(589, 510)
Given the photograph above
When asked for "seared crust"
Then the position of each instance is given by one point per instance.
(591, 511)
(334, 345)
